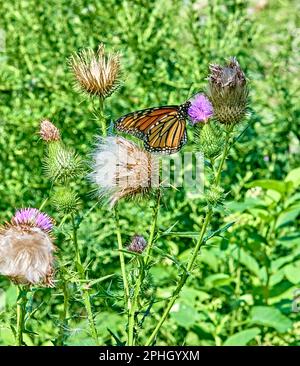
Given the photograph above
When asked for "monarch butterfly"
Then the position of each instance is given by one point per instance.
(163, 129)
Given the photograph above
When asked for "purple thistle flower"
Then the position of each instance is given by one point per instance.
(33, 217)
(200, 109)
(138, 244)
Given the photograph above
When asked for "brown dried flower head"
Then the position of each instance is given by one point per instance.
(48, 131)
(138, 244)
(228, 92)
(96, 73)
(26, 248)
(123, 169)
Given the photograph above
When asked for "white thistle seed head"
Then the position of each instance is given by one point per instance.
(26, 254)
(123, 169)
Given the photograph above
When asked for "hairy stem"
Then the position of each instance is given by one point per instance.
(199, 244)
(85, 292)
(102, 117)
(21, 311)
(122, 259)
(137, 289)
(64, 316)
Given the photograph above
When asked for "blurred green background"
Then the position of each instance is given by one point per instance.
(245, 284)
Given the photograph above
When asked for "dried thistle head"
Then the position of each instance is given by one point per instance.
(137, 244)
(48, 131)
(26, 248)
(123, 169)
(96, 73)
(228, 92)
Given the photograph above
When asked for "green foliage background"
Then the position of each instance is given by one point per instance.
(243, 288)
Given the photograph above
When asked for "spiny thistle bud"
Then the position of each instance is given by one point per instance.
(62, 164)
(210, 140)
(26, 248)
(65, 200)
(214, 195)
(228, 92)
(138, 244)
(200, 109)
(96, 73)
(48, 131)
(123, 169)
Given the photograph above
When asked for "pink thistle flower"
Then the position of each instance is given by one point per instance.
(200, 109)
(32, 217)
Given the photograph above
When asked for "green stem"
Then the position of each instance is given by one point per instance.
(21, 310)
(199, 243)
(43, 203)
(122, 259)
(183, 279)
(102, 117)
(227, 147)
(64, 316)
(132, 312)
(85, 292)
(152, 228)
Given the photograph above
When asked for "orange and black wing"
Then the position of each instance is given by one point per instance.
(162, 129)
(168, 135)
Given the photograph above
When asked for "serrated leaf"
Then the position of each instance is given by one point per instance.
(294, 177)
(292, 272)
(183, 234)
(101, 279)
(249, 262)
(276, 185)
(217, 280)
(169, 229)
(270, 317)
(242, 338)
(184, 314)
(116, 338)
(242, 206)
(288, 216)
(219, 231)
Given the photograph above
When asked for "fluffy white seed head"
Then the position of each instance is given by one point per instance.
(123, 169)
(26, 255)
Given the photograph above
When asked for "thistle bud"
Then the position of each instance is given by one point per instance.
(228, 92)
(26, 248)
(48, 131)
(96, 73)
(214, 195)
(138, 244)
(210, 140)
(62, 164)
(65, 200)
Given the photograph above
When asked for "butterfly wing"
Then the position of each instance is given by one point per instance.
(167, 136)
(138, 123)
(161, 128)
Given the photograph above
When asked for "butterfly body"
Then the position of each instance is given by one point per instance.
(163, 129)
